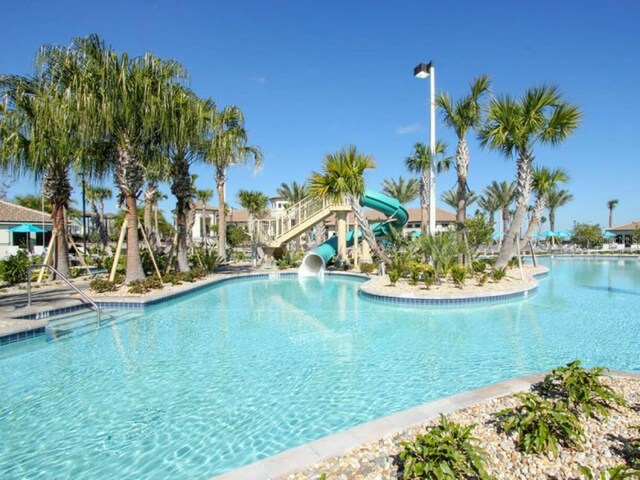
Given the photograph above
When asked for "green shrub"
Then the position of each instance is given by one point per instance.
(415, 271)
(121, 268)
(498, 274)
(513, 262)
(619, 472)
(482, 279)
(152, 283)
(14, 268)
(290, 259)
(458, 274)
(394, 276)
(368, 267)
(581, 389)
(446, 451)
(632, 451)
(428, 275)
(478, 266)
(173, 278)
(138, 287)
(541, 424)
(102, 285)
(490, 261)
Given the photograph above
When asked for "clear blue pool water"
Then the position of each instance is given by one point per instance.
(244, 370)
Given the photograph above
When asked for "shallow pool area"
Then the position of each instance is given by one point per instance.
(245, 369)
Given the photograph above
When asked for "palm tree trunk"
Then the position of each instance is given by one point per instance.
(56, 188)
(610, 217)
(552, 220)
(149, 194)
(59, 218)
(134, 263)
(222, 221)
(505, 220)
(102, 225)
(181, 226)
(538, 208)
(424, 201)
(525, 177)
(367, 233)
(462, 166)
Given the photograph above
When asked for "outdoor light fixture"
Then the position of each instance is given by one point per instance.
(422, 71)
(425, 70)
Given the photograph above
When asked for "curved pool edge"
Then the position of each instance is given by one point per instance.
(517, 293)
(288, 462)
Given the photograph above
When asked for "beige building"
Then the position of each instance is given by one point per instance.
(12, 215)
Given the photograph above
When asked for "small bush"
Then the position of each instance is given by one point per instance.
(102, 285)
(513, 262)
(581, 389)
(498, 274)
(478, 266)
(138, 287)
(447, 451)
(541, 424)
(173, 278)
(458, 274)
(152, 283)
(482, 279)
(394, 276)
(290, 259)
(415, 271)
(368, 268)
(14, 268)
(619, 472)
(428, 275)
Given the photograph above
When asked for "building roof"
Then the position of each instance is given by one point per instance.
(207, 207)
(624, 227)
(12, 213)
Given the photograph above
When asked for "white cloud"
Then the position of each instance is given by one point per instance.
(404, 129)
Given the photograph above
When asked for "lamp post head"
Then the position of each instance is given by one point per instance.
(422, 71)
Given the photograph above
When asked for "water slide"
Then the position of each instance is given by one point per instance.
(397, 216)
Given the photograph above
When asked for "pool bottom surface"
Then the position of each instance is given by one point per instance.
(244, 370)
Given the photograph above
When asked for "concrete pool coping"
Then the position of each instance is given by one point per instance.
(288, 462)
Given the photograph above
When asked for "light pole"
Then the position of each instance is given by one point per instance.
(424, 71)
(84, 215)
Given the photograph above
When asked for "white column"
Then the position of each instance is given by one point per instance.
(341, 231)
(432, 170)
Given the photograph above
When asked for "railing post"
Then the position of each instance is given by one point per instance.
(28, 286)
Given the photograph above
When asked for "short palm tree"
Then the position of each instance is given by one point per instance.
(97, 196)
(293, 192)
(343, 176)
(256, 204)
(545, 180)
(556, 199)
(451, 197)
(611, 204)
(490, 204)
(420, 163)
(227, 145)
(514, 127)
(462, 115)
(503, 193)
(403, 190)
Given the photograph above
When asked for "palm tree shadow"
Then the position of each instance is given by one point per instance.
(623, 291)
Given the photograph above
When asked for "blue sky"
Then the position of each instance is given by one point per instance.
(314, 76)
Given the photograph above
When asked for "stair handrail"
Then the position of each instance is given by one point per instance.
(66, 280)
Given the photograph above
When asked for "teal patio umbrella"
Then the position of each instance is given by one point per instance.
(609, 235)
(26, 228)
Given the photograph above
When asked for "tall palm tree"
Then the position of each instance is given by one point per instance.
(293, 192)
(125, 100)
(256, 204)
(490, 204)
(404, 191)
(226, 146)
(611, 204)
(514, 128)
(556, 199)
(462, 115)
(97, 196)
(450, 197)
(503, 193)
(39, 134)
(420, 163)
(545, 180)
(343, 176)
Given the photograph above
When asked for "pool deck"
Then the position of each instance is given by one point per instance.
(281, 465)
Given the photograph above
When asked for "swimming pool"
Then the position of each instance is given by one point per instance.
(248, 368)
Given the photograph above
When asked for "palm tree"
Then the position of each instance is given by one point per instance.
(611, 204)
(404, 191)
(450, 197)
(343, 176)
(293, 192)
(420, 163)
(97, 196)
(461, 116)
(513, 128)
(503, 193)
(125, 100)
(226, 146)
(544, 181)
(556, 199)
(490, 204)
(39, 134)
(256, 204)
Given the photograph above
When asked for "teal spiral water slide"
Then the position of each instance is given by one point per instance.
(397, 216)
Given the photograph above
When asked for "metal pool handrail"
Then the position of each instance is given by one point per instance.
(66, 280)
